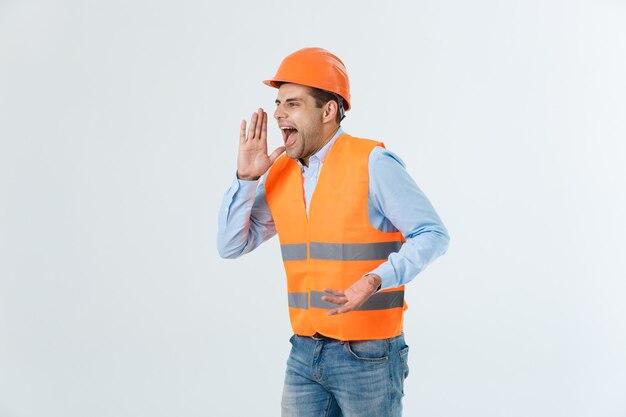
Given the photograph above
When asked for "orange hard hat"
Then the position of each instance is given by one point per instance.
(314, 67)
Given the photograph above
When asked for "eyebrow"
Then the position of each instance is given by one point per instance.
(289, 100)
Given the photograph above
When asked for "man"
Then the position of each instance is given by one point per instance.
(353, 228)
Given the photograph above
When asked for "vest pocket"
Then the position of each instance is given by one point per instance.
(369, 350)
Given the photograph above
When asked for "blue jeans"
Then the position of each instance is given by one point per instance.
(328, 378)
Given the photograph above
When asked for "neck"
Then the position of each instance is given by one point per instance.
(327, 137)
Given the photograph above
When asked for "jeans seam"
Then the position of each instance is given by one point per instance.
(330, 401)
(390, 382)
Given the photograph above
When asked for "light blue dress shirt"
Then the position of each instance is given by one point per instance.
(395, 203)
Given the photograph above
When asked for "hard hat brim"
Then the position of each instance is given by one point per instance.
(275, 83)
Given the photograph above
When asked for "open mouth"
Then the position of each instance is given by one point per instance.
(289, 135)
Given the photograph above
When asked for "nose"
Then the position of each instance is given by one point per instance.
(279, 112)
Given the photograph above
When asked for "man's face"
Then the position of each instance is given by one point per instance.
(300, 121)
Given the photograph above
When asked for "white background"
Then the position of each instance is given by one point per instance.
(119, 124)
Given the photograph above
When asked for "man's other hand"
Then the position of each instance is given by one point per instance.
(353, 297)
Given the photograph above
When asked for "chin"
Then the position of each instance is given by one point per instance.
(292, 154)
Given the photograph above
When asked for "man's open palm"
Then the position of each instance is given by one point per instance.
(253, 160)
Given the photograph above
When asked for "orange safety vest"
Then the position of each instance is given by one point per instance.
(335, 245)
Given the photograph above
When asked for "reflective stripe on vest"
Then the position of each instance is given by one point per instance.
(378, 301)
(340, 252)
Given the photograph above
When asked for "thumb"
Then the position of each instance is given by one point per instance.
(277, 152)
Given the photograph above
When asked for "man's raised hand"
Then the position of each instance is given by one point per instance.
(253, 160)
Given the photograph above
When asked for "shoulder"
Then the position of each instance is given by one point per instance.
(354, 141)
(277, 171)
(378, 154)
(384, 158)
(281, 163)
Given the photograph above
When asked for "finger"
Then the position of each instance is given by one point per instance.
(253, 120)
(259, 125)
(341, 310)
(264, 128)
(335, 300)
(277, 152)
(337, 293)
(242, 132)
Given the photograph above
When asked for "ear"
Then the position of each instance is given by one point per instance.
(330, 111)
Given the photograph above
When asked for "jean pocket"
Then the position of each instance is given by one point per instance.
(369, 350)
(404, 358)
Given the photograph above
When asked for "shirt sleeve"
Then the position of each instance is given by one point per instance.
(396, 202)
(245, 220)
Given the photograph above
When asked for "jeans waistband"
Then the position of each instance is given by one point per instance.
(319, 336)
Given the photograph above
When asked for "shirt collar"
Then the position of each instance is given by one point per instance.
(322, 153)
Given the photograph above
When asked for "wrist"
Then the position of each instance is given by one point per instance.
(246, 178)
(374, 281)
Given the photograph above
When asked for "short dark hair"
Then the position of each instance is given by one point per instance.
(322, 97)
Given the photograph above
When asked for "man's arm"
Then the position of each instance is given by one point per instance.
(401, 204)
(395, 203)
(245, 220)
